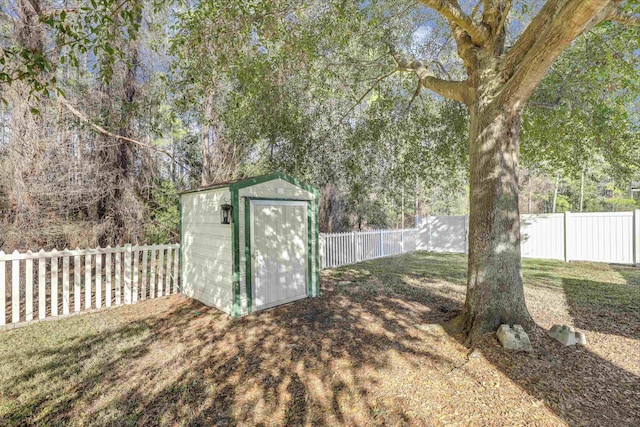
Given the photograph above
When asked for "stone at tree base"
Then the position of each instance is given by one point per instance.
(567, 335)
(514, 338)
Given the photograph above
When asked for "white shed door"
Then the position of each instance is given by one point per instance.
(279, 251)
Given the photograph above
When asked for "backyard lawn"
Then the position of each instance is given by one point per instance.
(364, 353)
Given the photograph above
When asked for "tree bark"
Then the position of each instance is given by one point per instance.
(495, 293)
(207, 143)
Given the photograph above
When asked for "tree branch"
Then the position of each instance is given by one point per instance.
(543, 104)
(105, 132)
(624, 18)
(455, 16)
(456, 90)
(557, 24)
(378, 80)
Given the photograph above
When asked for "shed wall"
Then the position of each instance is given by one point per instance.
(206, 249)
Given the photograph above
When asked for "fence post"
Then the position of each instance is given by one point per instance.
(636, 237)
(354, 247)
(567, 216)
(381, 243)
(127, 273)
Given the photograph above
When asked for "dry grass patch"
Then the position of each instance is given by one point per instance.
(358, 355)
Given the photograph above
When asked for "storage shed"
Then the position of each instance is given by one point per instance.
(250, 244)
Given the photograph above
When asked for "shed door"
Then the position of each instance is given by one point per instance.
(279, 252)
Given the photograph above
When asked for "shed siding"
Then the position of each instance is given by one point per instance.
(269, 190)
(206, 249)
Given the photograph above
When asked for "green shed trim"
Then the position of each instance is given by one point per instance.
(270, 177)
(317, 232)
(180, 247)
(247, 253)
(248, 182)
(309, 249)
(235, 250)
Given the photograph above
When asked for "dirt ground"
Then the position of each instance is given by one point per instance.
(364, 353)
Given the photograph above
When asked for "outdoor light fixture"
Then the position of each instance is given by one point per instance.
(226, 213)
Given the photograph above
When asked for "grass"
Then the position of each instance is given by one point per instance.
(364, 353)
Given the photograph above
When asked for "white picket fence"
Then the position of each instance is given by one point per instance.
(41, 285)
(611, 237)
(352, 247)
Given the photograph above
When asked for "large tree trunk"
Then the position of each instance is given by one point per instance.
(494, 279)
(499, 83)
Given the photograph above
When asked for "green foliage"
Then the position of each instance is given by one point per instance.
(587, 106)
(563, 205)
(163, 224)
(621, 204)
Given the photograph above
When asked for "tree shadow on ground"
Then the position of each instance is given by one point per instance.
(315, 362)
(346, 358)
(607, 308)
(578, 383)
(581, 387)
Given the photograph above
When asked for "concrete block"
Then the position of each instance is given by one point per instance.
(514, 338)
(567, 335)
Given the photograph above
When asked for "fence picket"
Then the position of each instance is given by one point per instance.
(76, 282)
(152, 275)
(54, 283)
(65, 285)
(107, 273)
(87, 281)
(167, 272)
(42, 292)
(168, 276)
(160, 272)
(176, 271)
(99, 280)
(28, 294)
(143, 292)
(118, 273)
(15, 290)
(127, 274)
(136, 266)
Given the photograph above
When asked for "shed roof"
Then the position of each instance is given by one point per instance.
(236, 184)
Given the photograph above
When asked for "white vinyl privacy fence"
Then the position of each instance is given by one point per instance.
(41, 285)
(353, 247)
(612, 237)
